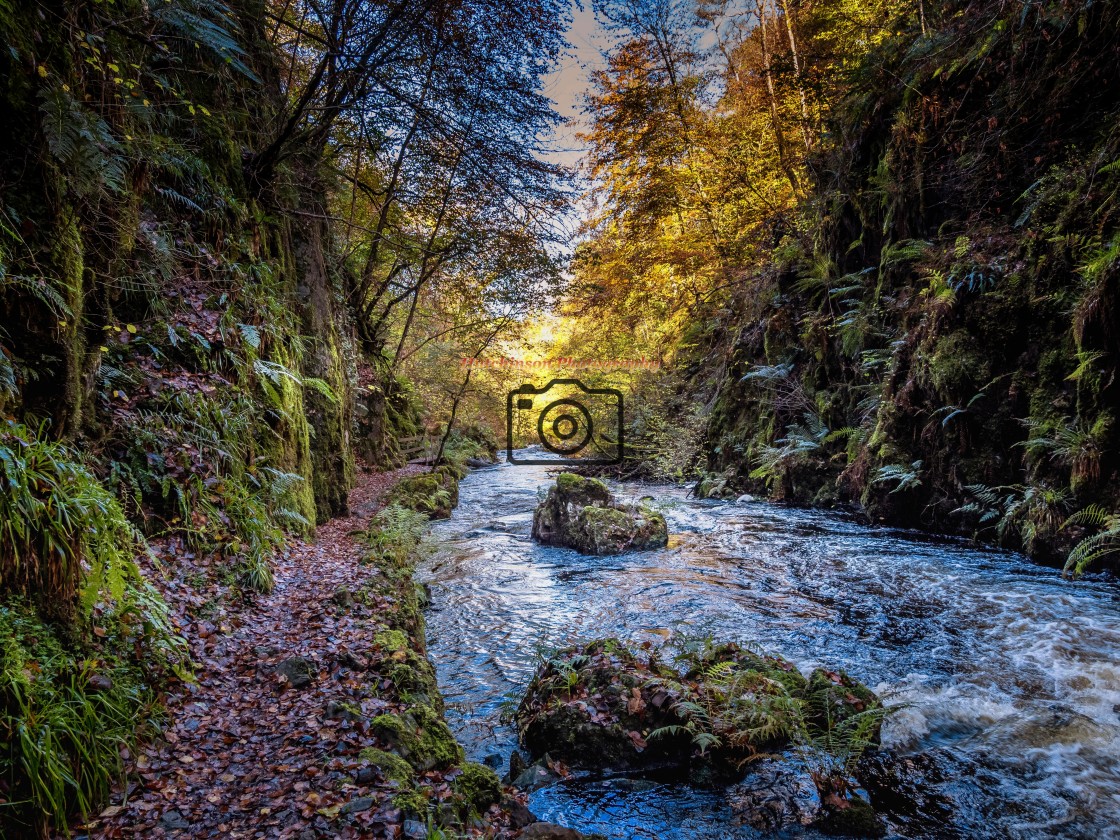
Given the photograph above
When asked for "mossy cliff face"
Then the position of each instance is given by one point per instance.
(178, 328)
(142, 218)
(945, 321)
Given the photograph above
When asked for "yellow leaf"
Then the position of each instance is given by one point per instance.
(43, 71)
(131, 328)
(104, 349)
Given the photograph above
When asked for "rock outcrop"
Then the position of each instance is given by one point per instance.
(581, 513)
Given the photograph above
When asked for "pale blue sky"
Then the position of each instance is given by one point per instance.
(567, 84)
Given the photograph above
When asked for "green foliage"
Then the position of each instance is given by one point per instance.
(1070, 444)
(397, 535)
(903, 477)
(56, 516)
(65, 717)
(801, 441)
(1027, 512)
(1095, 547)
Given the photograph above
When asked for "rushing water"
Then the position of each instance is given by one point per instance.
(1001, 665)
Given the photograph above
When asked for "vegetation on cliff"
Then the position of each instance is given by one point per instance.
(877, 242)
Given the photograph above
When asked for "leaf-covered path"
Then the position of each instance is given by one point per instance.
(248, 751)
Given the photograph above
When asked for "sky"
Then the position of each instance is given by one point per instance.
(567, 84)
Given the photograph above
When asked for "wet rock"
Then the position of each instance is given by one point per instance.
(414, 830)
(596, 706)
(908, 790)
(517, 765)
(534, 777)
(476, 463)
(856, 819)
(297, 670)
(478, 785)
(603, 707)
(519, 814)
(354, 806)
(341, 710)
(493, 761)
(835, 697)
(775, 795)
(581, 513)
(420, 736)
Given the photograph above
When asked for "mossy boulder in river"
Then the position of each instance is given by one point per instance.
(581, 513)
(603, 706)
(596, 706)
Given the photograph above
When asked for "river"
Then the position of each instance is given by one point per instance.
(997, 663)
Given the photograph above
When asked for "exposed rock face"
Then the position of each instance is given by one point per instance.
(581, 513)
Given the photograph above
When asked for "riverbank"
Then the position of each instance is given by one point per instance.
(302, 721)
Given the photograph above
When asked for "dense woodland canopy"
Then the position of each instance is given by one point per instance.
(244, 245)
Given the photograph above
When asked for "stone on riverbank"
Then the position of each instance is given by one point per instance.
(581, 513)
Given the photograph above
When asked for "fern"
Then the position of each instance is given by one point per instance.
(905, 478)
(82, 144)
(1096, 546)
(205, 24)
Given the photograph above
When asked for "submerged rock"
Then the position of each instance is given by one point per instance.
(908, 790)
(581, 513)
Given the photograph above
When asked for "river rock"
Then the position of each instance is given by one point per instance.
(604, 707)
(776, 794)
(596, 706)
(581, 513)
(908, 790)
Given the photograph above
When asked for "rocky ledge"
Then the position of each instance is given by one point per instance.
(581, 513)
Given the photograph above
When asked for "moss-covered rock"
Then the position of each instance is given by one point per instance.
(596, 706)
(478, 785)
(604, 706)
(581, 513)
(435, 493)
(421, 736)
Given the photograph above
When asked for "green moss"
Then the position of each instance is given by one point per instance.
(421, 736)
(959, 365)
(478, 785)
(392, 766)
(391, 640)
(435, 493)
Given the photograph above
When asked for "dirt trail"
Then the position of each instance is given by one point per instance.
(247, 753)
